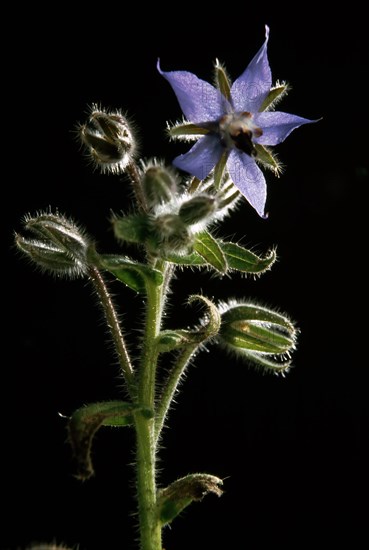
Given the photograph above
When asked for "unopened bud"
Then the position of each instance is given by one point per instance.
(198, 209)
(60, 246)
(159, 185)
(109, 140)
(169, 234)
(264, 337)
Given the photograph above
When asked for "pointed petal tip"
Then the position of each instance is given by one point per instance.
(267, 29)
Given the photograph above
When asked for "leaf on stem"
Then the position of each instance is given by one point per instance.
(241, 259)
(131, 273)
(191, 488)
(83, 425)
(209, 249)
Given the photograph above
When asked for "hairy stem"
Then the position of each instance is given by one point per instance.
(171, 387)
(114, 327)
(150, 527)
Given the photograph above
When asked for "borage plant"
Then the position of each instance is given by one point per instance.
(170, 226)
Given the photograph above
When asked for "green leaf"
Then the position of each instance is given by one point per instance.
(85, 422)
(244, 260)
(186, 259)
(274, 96)
(177, 496)
(211, 251)
(135, 275)
(133, 228)
(168, 340)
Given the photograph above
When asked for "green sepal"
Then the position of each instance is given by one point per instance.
(241, 259)
(274, 96)
(133, 274)
(220, 169)
(187, 131)
(262, 336)
(178, 495)
(222, 80)
(86, 421)
(265, 157)
(247, 335)
(209, 249)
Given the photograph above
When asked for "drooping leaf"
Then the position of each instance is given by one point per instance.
(85, 422)
(191, 488)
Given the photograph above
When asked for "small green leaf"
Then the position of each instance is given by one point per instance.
(85, 422)
(210, 250)
(168, 340)
(244, 260)
(133, 228)
(274, 96)
(131, 273)
(193, 259)
(177, 496)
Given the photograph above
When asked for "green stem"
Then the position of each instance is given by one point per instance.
(150, 526)
(134, 176)
(171, 387)
(115, 328)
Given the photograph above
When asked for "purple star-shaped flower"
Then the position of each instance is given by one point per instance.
(233, 125)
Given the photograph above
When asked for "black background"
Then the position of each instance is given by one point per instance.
(293, 450)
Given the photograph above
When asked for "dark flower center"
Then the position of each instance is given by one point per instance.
(237, 130)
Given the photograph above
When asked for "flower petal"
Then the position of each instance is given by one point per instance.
(251, 88)
(248, 178)
(276, 126)
(201, 158)
(199, 100)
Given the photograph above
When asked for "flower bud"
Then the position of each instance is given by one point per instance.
(197, 209)
(159, 185)
(61, 246)
(108, 139)
(262, 336)
(169, 234)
